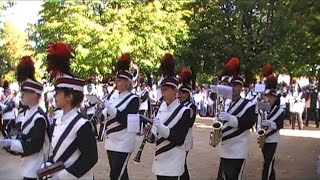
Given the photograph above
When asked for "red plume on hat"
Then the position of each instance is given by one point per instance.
(185, 76)
(233, 66)
(89, 80)
(60, 49)
(167, 65)
(271, 81)
(123, 62)
(58, 58)
(141, 79)
(267, 70)
(105, 79)
(25, 69)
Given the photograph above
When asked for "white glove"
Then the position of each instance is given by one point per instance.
(47, 164)
(107, 104)
(162, 130)
(6, 142)
(156, 122)
(266, 123)
(224, 116)
(54, 177)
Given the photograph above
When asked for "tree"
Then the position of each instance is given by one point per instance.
(101, 30)
(258, 32)
(15, 44)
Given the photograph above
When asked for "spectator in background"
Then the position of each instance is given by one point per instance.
(312, 111)
(297, 106)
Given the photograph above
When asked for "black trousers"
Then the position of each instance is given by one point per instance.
(312, 115)
(26, 178)
(8, 124)
(102, 130)
(142, 124)
(167, 177)
(94, 124)
(231, 169)
(185, 175)
(268, 151)
(2, 128)
(116, 162)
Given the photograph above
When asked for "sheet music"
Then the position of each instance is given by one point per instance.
(259, 88)
(133, 123)
(263, 106)
(93, 99)
(224, 91)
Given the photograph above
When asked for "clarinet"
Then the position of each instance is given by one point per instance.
(147, 137)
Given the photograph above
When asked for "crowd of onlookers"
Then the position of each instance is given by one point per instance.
(302, 104)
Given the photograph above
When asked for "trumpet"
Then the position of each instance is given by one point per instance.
(216, 132)
(51, 111)
(148, 135)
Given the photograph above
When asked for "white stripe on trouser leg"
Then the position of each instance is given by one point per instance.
(124, 166)
(241, 170)
(103, 131)
(270, 166)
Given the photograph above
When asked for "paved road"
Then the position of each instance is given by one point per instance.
(296, 158)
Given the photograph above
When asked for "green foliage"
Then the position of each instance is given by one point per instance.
(14, 44)
(202, 34)
(283, 33)
(100, 31)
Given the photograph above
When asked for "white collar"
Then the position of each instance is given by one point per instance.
(122, 95)
(69, 116)
(31, 111)
(165, 107)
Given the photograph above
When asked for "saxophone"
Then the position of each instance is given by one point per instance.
(262, 106)
(216, 132)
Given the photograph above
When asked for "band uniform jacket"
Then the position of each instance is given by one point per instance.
(90, 107)
(74, 143)
(34, 144)
(7, 108)
(235, 133)
(21, 112)
(118, 138)
(276, 116)
(169, 159)
(144, 97)
(189, 138)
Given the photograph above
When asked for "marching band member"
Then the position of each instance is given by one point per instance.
(170, 127)
(144, 97)
(89, 89)
(105, 85)
(144, 100)
(119, 142)
(73, 140)
(185, 91)
(237, 121)
(273, 124)
(8, 109)
(34, 141)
